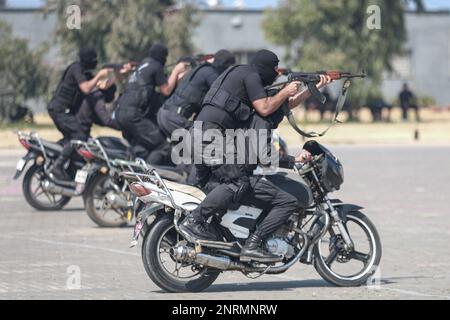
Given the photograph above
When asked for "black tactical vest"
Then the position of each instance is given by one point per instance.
(188, 98)
(67, 94)
(139, 92)
(220, 98)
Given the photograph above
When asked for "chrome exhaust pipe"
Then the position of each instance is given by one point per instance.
(186, 254)
(55, 189)
(115, 200)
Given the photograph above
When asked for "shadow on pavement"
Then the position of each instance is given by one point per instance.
(268, 286)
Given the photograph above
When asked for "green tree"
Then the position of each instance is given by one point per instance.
(124, 30)
(22, 72)
(333, 34)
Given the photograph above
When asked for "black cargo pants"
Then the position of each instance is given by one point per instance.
(263, 194)
(140, 130)
(69, 126)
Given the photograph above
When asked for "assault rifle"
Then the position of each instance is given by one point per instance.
(119, 66)
(311, 79)
(193, 61)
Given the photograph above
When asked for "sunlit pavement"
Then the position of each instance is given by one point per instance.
(405, 191)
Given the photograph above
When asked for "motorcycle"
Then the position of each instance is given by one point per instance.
(108, 200)
(337, 239)
(40, 188)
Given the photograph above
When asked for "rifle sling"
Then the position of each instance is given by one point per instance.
(339, 105)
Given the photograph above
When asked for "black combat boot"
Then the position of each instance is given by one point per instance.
(59, 172)
(197, 229)
(253, 251)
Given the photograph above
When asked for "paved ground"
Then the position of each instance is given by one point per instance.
(405, 190)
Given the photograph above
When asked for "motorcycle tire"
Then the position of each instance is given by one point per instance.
(155, 269)
(31, 200)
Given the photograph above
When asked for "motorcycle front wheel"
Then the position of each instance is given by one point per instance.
(349, 269)
(163, 269)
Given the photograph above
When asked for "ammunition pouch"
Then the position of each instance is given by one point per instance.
(187, 98)
(139, 97)
(140, 93)
(222, 99)
(68, 95)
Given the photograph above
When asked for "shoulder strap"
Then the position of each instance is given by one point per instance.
(338, 109)
(227, 72)
(197, 69)
(145, 63)
(66, 71)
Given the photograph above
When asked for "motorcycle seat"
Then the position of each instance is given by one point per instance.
(183, 188)
(53, 146)
(170, 173)
(113, 143)
(118, 154)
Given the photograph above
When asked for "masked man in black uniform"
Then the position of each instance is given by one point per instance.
(230, 104)
(188, 97)
(138, 102)
(75, 84)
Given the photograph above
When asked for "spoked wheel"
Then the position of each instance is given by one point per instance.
(349, 269)
(164, 270)
(97, 206)
(36, 195)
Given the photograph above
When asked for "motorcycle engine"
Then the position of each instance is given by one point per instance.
(279, 247)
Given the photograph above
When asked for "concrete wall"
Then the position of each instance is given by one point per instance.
(237, 31)
(427, 67)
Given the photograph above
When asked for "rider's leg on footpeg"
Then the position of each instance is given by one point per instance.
(217, 201)
(58, 170)
(254, 250)
(198, 229)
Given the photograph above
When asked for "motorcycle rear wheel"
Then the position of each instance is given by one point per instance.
(163, 231)
(32, 190)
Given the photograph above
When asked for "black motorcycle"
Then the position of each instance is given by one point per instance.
(107, 197)
(40, 188)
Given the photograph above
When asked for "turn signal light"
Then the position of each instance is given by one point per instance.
(24, 143)
(139, 190)
(86, 154)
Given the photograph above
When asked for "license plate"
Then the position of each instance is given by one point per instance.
(21, 164)
(81, 176)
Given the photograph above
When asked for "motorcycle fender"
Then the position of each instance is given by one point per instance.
(344, 208)
(149, 215)
(94, 171)
(23, 164)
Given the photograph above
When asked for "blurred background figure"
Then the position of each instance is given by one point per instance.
(408, 101)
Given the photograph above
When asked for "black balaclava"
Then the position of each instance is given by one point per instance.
(159, 52)
(223, 59)
(265, 62)
(88, 58)
(109, 94)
